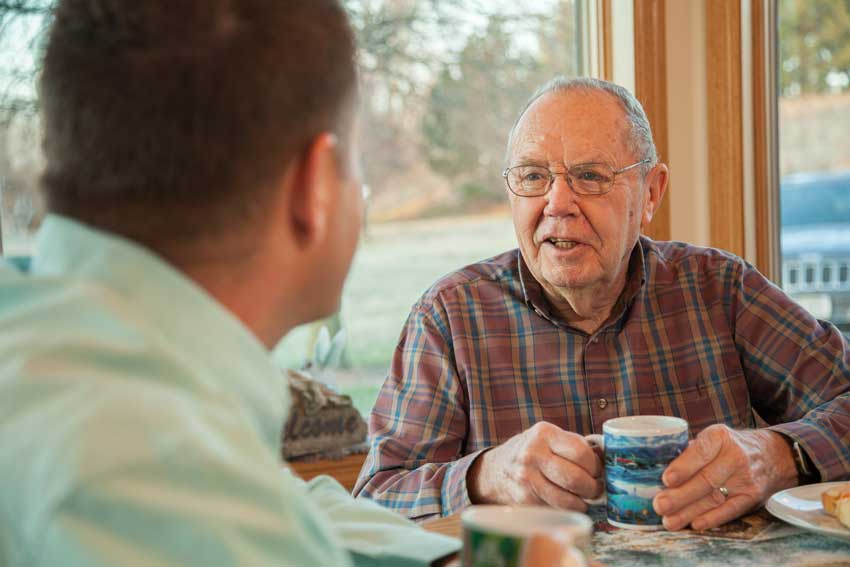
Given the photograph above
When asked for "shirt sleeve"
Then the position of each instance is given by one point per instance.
(419, 424)
(798, 371)
(374, 535)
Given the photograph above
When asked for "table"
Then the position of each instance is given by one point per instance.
(777, 545)
(345, 470)
(450, 526)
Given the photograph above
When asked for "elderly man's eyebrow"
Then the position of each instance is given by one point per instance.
(537, 160)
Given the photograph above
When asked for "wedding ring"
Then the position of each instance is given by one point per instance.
(724, 491)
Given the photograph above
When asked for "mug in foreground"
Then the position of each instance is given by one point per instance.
(525, 536)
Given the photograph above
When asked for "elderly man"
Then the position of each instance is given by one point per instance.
(505, 365)
(204, 195)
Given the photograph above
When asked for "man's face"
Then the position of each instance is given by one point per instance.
(572, 241)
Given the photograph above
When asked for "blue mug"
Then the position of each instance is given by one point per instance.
(637, 450)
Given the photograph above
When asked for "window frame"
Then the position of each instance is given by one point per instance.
(742, 131)
(765, 128)
(650, 53)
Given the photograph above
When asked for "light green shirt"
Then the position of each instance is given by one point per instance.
(140, 425)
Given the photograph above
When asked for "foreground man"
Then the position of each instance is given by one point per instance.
(202, 176)
(504, 365)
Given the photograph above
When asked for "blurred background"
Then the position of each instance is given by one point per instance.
(443, 81)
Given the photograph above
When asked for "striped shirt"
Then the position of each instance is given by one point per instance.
(697, 333)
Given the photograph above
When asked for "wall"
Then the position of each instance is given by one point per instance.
(686, 99)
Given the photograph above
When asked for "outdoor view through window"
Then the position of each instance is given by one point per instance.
(814, 156)
(21, 23)
(443, 81)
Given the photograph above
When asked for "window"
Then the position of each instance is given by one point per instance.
(443, 83)
(20, 158)
(814, 156)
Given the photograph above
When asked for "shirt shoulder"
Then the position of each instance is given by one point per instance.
(671, 261)
(498, 274)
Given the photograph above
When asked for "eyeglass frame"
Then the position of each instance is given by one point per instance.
(566, 174)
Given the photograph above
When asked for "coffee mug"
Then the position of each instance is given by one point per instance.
(637, 450)
(524, 536)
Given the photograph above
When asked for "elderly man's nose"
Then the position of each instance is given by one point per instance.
(561, 198)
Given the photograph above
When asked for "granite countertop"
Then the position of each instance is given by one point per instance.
(755, 540)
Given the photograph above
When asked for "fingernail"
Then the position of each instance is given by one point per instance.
(671, 479)
(660, 505)
(698, 525)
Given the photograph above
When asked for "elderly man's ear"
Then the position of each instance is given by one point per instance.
(655, 185)
(312, 193)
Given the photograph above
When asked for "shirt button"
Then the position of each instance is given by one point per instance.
(602, 403)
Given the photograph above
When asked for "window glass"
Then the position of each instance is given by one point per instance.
(814, 121)
(21, 24)
(443, 82)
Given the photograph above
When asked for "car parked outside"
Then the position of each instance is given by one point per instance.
(815, 240)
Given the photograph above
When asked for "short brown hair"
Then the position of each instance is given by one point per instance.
(169, 119)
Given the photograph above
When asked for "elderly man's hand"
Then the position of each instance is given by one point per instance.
(542, 465)
(751, 465)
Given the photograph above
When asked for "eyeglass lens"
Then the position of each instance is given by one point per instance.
(588, 178)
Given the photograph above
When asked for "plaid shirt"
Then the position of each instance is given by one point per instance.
(697, 333)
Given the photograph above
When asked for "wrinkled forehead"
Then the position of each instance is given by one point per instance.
(570, 127)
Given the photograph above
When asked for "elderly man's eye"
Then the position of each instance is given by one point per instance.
(533, 176)
(590, 175)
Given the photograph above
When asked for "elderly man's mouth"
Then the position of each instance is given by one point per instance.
(562, 243)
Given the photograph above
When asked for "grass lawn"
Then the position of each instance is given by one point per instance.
(394, 265)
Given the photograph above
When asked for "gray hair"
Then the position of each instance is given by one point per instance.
(640, 136)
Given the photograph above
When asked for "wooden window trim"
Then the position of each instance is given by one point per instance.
(651, 90)
(606, 39)
(725, 116)
(724, 48)
(765, 139)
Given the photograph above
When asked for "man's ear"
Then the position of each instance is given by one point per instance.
(655, 185)
(313, 191)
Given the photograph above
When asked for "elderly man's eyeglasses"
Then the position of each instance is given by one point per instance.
(583, 178)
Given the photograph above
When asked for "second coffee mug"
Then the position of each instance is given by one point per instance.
(637, 451)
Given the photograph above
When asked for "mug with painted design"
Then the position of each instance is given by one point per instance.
(637, 450)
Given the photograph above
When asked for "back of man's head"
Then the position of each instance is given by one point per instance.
(172, 120)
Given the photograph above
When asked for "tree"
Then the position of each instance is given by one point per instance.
(814, 46)
(476, 98)
(22, 23)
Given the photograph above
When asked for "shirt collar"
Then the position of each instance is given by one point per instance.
(235, 363)
(635, 280)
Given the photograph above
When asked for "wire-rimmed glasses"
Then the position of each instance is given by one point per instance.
(583, 178)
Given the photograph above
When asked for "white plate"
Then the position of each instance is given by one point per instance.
(801, 506)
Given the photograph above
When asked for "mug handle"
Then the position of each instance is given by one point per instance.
(596, 441)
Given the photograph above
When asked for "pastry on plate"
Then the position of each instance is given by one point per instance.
(836, 502)
(842, 510)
